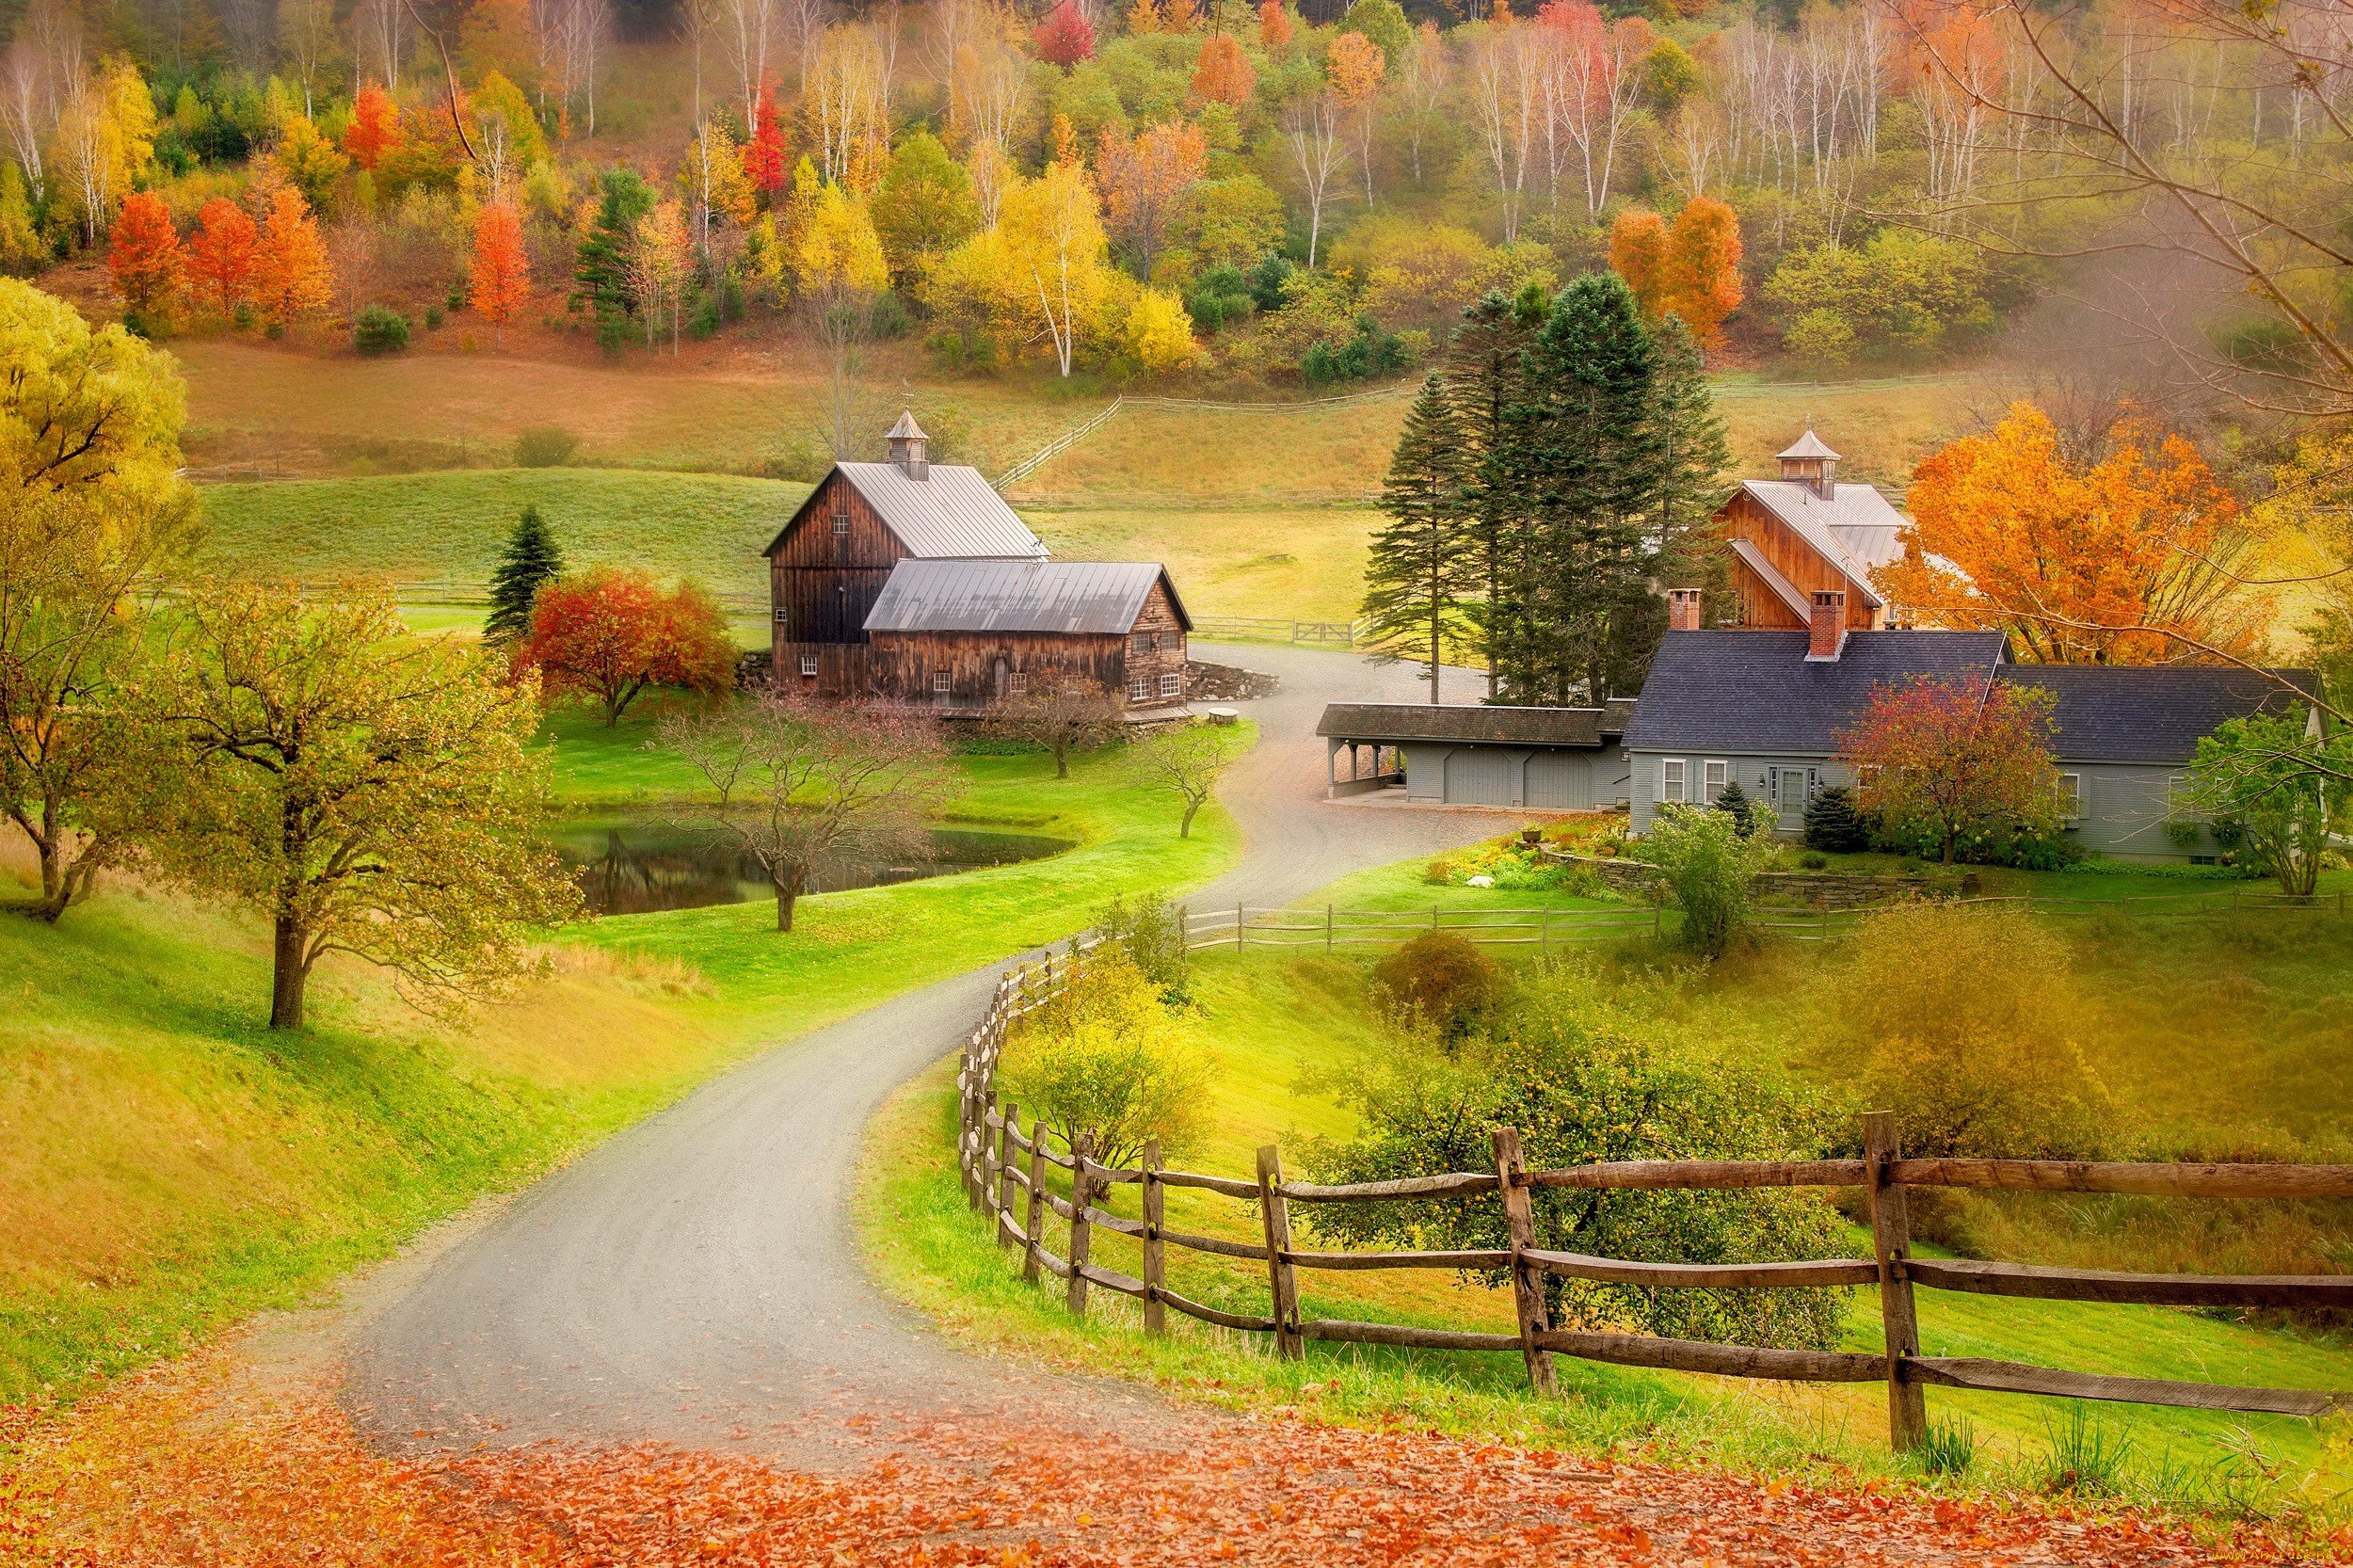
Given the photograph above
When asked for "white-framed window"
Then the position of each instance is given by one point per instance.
(1714, 775)
(1172, 685)
(2070, 794)
(1016, 682)
(1671, 780)
(808, 665)
(942, 683)
(1140, 689)
(781, 615)
(841, 523)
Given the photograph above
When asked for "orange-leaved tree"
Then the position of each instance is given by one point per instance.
(374, 128)
(1274, 23)
(1638, 253)
(501, 272)
(221, 253)
(2128, 557)
(1222, 73)
(143, 259)
(291, 274)
(1703, 268)
(1144, 180)
(1355, 66)
(609, 633)
(1954, 764)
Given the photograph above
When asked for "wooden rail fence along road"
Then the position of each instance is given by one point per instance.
(1005, 1175)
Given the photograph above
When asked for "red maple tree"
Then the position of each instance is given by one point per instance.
(1065, 37)
(609, 633)
(375, 127)
(1950, 759)
(763, 156)
(501, 272)
(143, 260)
(221, 253)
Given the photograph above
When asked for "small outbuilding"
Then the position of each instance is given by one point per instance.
(1513, 759)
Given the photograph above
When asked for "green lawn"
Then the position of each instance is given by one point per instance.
(1286, 1034)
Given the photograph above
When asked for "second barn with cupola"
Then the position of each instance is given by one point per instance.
(911, 584)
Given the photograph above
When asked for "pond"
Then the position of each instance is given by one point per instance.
(636, 865)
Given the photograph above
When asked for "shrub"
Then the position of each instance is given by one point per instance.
(379, 329)
(434, 316)
(1813, 862)
(1964, 1022)
(1438, 873)
(545, 446)
(1832, 824)
(1438, 979)
(1107, 1057)
(1707, 865)
(1150, 933)
(1584, 1080)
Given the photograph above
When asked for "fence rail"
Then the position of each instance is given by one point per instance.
(1347, 633)
(1004, 1174)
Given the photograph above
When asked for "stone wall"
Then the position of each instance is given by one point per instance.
(1207, 682)
(1824, 889)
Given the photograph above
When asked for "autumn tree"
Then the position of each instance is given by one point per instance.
(798, 783)
(1702, 271)
(1059, 712)
(1144, 183)
(500, 283)
(2135, 557)
(144, 262)
(1954, 760)
(1274, 24)
(291, 275)
(1185, 761)
(839, 272)
(221, 253)
(1423, 572)
(1638, 253)
(660, 266)
(763, 154)
(90, 505)
(1222, 73)
(1040, 272)
(374, 128)
(717, 189)
(924, 207)
(1065, 37)
(368, 791)
(609, 633)
(1355, 66)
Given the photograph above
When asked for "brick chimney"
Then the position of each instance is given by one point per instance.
(1683, 609)
(1828, 628)
(908, 445)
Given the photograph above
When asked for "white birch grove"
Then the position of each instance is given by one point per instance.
(1311, 121)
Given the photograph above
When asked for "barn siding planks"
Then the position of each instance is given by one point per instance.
(1760, 608)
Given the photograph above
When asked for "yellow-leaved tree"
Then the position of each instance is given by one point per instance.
(839, 272)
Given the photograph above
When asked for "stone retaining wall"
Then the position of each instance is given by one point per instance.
(1207, 682)
(1823, 890)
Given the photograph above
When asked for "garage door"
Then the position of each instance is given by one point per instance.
(1477, 776)
(1559, 782)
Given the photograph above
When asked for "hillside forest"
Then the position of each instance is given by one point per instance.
(1269, 197)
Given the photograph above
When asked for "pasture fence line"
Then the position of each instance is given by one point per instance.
(1347, 633)
(1012, 1175)
(1058, 445)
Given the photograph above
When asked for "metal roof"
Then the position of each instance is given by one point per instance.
(907, 429)
(1756, 692)
(1811, 445)
(951, 513)
(1856, 513)
(1082, 597)
(2151, 713)
(1769, 574)
(1468, 724)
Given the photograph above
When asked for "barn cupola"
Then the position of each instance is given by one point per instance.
(1812, 463)
(908, 445)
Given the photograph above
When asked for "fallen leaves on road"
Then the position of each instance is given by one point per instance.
(192, 1465)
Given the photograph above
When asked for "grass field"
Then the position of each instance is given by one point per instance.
(1285, 1036)
(171, 1165)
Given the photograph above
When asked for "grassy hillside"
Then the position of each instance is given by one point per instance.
(169, 1165)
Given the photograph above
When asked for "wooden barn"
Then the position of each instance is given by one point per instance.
(912, 583)
(1798, 536)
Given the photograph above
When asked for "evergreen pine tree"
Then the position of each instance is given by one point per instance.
(1482, 373)
(600, 264)
(1691, 551)
(1584, 463)
(1423, 568)
(529, 561)
(1733, 801)
(1834, 825)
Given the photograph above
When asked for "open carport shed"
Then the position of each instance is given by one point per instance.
(1520, 758)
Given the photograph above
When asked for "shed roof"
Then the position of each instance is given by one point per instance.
(1810, 445)
(1853, 528)
(1468, 724)
(1077, 597)
(952, 513)
(1757, 692)
(2151, 714)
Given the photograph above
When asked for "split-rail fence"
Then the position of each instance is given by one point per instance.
(1004, 1170)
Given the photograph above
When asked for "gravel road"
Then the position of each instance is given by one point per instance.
(694, 1279)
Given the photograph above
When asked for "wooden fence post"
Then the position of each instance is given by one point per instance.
(1081, 1229)
(1282, 1282)
(1154, 1250)
(1327, 931)
(1891, 1243)
(1035, 1216)
(1544, 932)
(1238, 928)
(1002, 1174)
(968, 1167)
(1528, 1286)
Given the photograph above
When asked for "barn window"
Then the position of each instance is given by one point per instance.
(1018, 682)
(779, 614)
(1140, 689)
(809, 665)
(1148, 642)
(1172, 685)
(1715, 776)
(942, 683)
(841, 523)
(1671, 780)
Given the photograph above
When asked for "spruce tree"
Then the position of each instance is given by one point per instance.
(1483, 370)
(1734, 803)
(600, 264)
(1692, 549)
(529, 561)
(1423, 571)
(1833, 823)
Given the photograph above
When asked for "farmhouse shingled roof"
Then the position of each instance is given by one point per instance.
(1082, 596)
(951, 513)
(1469, 723)
(2150, 713)
(1756, 692)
